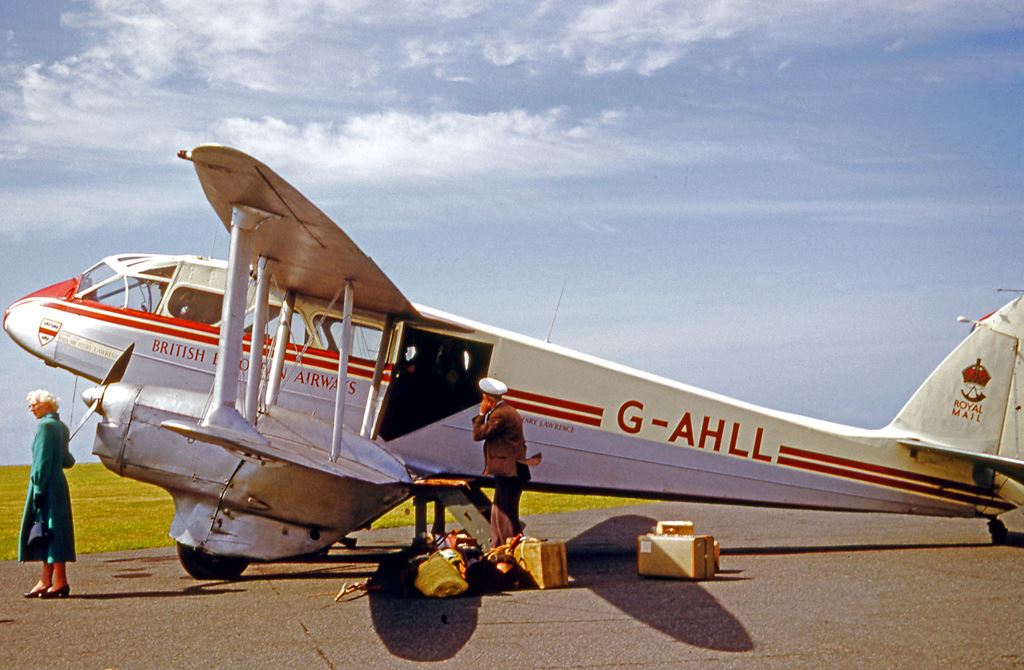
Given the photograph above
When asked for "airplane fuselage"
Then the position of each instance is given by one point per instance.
(602, 427)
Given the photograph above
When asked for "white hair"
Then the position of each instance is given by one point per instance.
(43, 398)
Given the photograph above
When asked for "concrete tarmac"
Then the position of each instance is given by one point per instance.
(797, 590)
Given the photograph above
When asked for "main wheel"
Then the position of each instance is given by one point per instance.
(203, 565)
(997, 529)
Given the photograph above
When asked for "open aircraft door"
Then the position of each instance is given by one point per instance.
(434, 376)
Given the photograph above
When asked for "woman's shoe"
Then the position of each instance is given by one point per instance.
(35, 593)
(62, 592)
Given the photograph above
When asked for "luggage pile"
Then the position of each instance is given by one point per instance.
(673, 550)
(456, 565)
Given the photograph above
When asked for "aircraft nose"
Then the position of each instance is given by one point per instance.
(26, 320)
(22, 323)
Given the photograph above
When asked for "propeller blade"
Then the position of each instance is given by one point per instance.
(92, 410)
(118, 368)
(113, 376)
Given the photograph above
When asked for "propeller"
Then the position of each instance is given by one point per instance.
(94, 395)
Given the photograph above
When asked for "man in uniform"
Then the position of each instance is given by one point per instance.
(501, 428)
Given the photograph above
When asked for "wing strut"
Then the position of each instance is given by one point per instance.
(378, 376)
(259, 332)
(281, 340)
(344, 352)
(222, 413)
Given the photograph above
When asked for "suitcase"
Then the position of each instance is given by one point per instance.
(543, 561)
(677, 556)
(674, 528)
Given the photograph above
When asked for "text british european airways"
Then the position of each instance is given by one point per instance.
(712, 434)
(198, 354)
(178, 350)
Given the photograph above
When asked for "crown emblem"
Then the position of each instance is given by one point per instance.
(975, 379)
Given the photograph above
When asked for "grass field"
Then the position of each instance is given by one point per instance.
(113, 514)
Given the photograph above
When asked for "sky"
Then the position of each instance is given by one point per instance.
(787, 202)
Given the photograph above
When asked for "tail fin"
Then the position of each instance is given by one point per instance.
(963, 403)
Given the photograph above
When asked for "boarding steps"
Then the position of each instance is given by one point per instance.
(468, 504)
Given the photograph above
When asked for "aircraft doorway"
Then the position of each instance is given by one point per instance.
(435, 376)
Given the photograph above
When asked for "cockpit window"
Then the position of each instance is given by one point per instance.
(95, 276)
(129, 292)
(144, 294)
(194, 304)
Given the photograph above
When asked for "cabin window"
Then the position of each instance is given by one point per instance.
(273, 312)
(194, 304)
(365, 340)
(297, 334)
(166, 272)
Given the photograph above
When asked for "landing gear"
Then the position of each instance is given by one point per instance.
(997, 529)
(202, 565)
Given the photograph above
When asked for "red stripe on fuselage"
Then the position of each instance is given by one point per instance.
(570, 405)
(890, 477)
(155, 324)
(554, 413)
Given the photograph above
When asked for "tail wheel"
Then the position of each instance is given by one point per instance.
(997, 529)
(203, 565)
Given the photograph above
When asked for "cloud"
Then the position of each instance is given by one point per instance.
(895, 46)
(646, 36)
(114, 202)
(449, 145)
(420, 53)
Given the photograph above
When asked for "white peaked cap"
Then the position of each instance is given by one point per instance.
(492, 386)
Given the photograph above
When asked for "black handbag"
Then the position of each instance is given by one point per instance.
(38, 535)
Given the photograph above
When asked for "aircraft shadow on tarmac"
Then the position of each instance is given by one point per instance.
(435, 630)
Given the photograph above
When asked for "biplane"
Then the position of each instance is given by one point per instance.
(293, 394)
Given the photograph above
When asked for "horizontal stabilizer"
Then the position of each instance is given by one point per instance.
(297, 453)
(1009, 467)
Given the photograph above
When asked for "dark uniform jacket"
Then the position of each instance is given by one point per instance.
(48, 498)
(501, 429)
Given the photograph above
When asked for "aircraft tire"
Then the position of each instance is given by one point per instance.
(997, 529)
(202, 565)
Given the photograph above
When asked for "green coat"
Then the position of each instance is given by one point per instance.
(48, 496)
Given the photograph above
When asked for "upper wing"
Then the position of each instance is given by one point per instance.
(311, 254)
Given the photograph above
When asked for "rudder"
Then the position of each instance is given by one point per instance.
(963, 403)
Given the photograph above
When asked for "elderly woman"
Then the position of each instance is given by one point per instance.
(48, 501)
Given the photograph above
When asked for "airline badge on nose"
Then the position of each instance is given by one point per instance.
(48, 329)
(976, 377)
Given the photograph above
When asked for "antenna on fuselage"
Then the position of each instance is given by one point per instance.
(557, 305)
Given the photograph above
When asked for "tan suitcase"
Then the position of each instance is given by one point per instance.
(674, 528)
(678, 556)
(544, 561)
